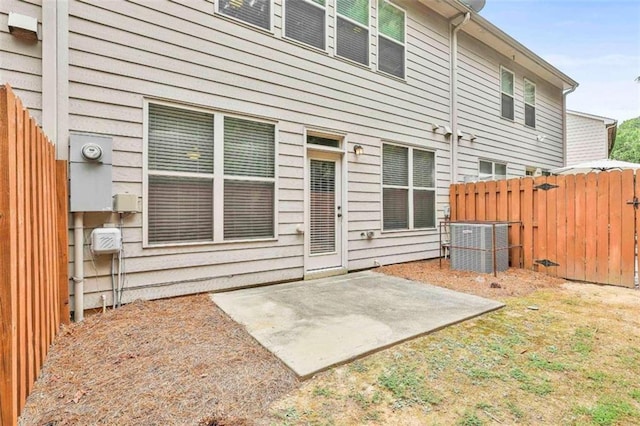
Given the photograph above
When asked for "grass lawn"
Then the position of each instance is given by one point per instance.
(562, 355)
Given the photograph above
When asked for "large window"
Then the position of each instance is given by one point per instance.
(391, 35)
(211, 177)
(408, 188)
(352, 30)
(254, 12)
(529, 103)
(490, 170)
(305, 21)
(506, 93)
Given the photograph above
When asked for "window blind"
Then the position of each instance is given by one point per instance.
(248, 209)
(390, 57)
(249, 148)
(424, 208)
(179, 209)
(322, 199)
(423, 169)
(395, 202)
(180, 140)
(352, 41)
(395, 163)
(256, 12)
(305, 22)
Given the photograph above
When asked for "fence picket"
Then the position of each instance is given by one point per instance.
(615, 227)
(561, 224)
(602, 226)
(570, 212)
(580, 249)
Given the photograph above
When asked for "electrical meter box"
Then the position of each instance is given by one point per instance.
(90, 173)
(106, 240)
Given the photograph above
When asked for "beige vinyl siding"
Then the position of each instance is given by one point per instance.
(21, 61)
(587, 139)
(500, 139)
(123, 52)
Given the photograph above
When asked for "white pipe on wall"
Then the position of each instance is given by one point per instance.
(78, 266)
(456, 24)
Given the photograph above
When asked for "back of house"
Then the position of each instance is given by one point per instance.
(589, 137)
(274, 140)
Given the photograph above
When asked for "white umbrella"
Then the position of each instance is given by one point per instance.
(595, 166)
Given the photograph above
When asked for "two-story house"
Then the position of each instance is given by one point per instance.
(273, 140)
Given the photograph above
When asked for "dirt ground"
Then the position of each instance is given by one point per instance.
(182, 361)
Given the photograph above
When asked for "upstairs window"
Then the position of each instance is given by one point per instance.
(506, 93)
(490, 170)
(352, 30)
(408, 188)
(254, 12)
(391, 39)
(529, 103)
(304, 21)
(191, 197)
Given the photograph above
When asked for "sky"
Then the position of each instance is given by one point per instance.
(595, 42)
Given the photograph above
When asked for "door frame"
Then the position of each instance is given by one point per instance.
(339, 154)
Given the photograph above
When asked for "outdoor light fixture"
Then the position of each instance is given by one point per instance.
(447, 130)
(22, 26)
(460, 135)
(434, 127)
(472, 137)
(540, 138)
(358, 149)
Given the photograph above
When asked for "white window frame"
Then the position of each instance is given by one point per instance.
(493, 175)
(335, 35)
(218, 176)
(513, 95)
(404, 44)
(535, 101)
(409, 188)
(301, 43)
(249, 24)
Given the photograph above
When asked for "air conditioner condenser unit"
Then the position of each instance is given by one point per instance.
(472, 247)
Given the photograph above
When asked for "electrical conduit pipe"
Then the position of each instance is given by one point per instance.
(456, 24)
(78, 266)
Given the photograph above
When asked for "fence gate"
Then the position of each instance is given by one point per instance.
(581, 227)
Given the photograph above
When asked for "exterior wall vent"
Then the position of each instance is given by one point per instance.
(472, 247)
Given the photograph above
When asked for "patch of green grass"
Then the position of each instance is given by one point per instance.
(582, 341)
(318, 391)
(536, 361)
(358, 367)
(635, 394)
(470, 418)
(363, 401)
(540, 386)
(519, 375)
(609, 412)
(481, 374)
(596, 376)
(407, 386)
(290, 415)
(515, 410)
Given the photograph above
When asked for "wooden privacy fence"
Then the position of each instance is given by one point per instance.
(581, 227)
(33, 252)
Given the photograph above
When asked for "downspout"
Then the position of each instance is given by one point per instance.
(456, 24)
(564, 122)
(78, 266)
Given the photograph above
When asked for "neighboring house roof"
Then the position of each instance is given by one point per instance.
(483, 30)
(610, 124)
(596, 166)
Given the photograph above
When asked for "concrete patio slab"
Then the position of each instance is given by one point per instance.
(313, 325)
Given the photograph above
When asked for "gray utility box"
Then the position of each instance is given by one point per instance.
(90, 173)
(472, 247)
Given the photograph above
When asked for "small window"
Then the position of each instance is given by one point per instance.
(408, 188)
(506, 93)
(182, 201)
(254, 12)
(319, 140)
(391, 39)
(489, 170)
(352, 30)
(529, 103)
(305, 22)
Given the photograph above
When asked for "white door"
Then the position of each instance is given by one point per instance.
(325, 212)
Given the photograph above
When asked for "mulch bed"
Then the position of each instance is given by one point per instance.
(511, 283)
(177, 361)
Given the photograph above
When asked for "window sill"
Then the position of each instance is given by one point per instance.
(425, 231)
(151, 246)
(248, 25)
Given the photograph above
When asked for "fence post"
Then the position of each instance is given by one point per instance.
(8, 265)
(63, 244)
